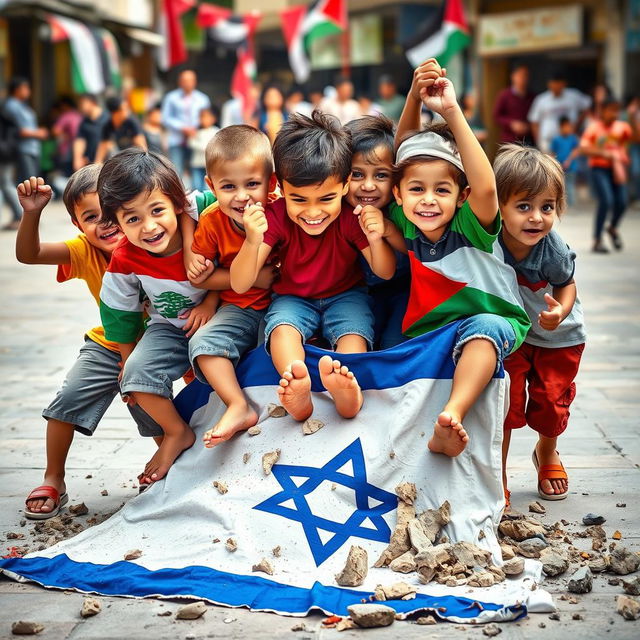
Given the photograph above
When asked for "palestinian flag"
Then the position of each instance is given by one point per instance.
(301, 25)
(441, 37)
(174, 50)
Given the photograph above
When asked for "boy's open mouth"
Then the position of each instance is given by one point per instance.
(314, 223)
(532, 232)
(427, 214)
(239, 210)
(154, 239)
(109, 235)
(367, 199)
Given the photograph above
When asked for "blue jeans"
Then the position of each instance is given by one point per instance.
(8, 190)
(347, 313)
(488, 326)
(634, 182)
(180, 156)
(611, 196)
(570, 186)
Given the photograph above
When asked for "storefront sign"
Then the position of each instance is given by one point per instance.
(530, 30)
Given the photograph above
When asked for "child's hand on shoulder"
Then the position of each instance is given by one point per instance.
(33, 195)
(424, 76)
(266, 276)
(440, 97)
(255, 224)
(553, 316)
(199, 268)
(371, 222)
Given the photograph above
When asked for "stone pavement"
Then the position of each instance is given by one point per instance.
(40, 332)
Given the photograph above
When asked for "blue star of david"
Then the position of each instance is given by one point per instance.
(312, 523)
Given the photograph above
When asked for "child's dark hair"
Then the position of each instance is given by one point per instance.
(562, 120)
(113, 103)
(370, 133)
(132, 172)
(527, 170)
(307, 151)
(83, 181)
(441, 129)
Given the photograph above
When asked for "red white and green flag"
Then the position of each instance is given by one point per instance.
(441, 37)
(174, 50)
(302, 24)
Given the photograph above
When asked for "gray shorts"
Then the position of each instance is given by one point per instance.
(161, 356)
(88, 390)
(230, 333)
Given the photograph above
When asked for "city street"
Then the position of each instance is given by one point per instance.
(41, 331)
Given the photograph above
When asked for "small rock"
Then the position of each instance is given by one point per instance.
(276, 551)
(404, 564)
(614, 582)
(598, 564)
(553, 562)
(15, 536)
(88, 476)
(407, 492)
(300, 626)
(536, 507)
(554, 616)
(581, 581)
(310, 426)
(491, 630)
(426, 620)
(433, 520)
(229, 620)
(617, 535)
(334, 486)
(23, 522)
(520, 529)
(26, 628)
(621, 504)
(513, 567)
(254, 431)
(419, 539)
(542, 625)
(355, 569)
(507, 551)
(133, 554)
(371, 615)
(104, 492)
(231, 545)
(577, 616)
(532, 547)
(164, 614)
(592, 518)
(396, 591)
(632, 586)
(264, 566)
(221, 487)
(268, 460)
(191, 611)
(80, 509)
(276, 411)
(90, 607)
(628, 608)
(622, 561)
(345, 624)
(245, 457)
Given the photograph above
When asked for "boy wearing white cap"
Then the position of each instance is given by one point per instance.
(447, 215)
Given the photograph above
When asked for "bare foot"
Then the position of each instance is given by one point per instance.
(46, 505)
(556, 486)
(295, 391)
(235, 418)
(342, 385)
(449, 436)
(172, 446)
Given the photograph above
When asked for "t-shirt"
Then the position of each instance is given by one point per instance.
(562, 146)
(91, 132)
(123, 135)
(547, 109)
(392, 107)
(219, 239)
(550, 264)
(134, 274)
(315, 266)
(511, 106)
(25, 118)
(461, 275)
(88, 264)
(614, 137)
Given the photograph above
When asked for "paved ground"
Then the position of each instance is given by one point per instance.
(41, 325)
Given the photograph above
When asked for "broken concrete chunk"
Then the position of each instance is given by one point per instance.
(536, 507)
(276, 551)
(264, 566)
(395, 591)
(628, 608)
(407, 492)
(507, 551)
(622, 561)
(245, 457)
(14, 536)
(426, 620)
(90, 607)
(231, 545)
(311, 425)
(592, 518)
(632, 586)
(520, 529)
(469, 554)
(372, 615)
(531, 547)
(276, 411)
(80, 509)
(513, 567)
(355, 569)
(581, 581)
(491, 630)
(432, 520)
(254, 431)
(191, 611)
(417, 536)
(553, 562)
(268, 460)
(598, 564)
(399, 542)
(300, 626)
(617, 535)
(221, 487)
(26, 628)
(404, 563)
(133, 554)
(345, 624)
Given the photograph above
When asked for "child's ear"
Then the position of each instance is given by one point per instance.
(345, 188)
(207, 179)
(76, 223)
(273, 183)
(396, 194)
(464, 194)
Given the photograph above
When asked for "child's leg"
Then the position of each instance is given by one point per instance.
(481, 340)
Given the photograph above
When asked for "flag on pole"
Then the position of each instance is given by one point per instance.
(113, 58)
(224, 27)
(173, 51)
(301, 25)
(441, 37)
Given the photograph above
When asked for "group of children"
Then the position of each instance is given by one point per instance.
(339, 234)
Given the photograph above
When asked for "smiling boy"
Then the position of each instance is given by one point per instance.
(318, 239)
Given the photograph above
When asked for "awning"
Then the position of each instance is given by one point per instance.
(145, 36)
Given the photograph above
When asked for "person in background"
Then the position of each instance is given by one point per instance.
(367, 106)
(9, 140)
(599, 93)
(272, 113)
(316, 96)
(566, 148)
(153, 130)
(90, 131)
(550, 106)
(65, 129)
(198, 144)
(469, 109)
(180, 116)
(632, 116)
(297, 103)
(390, 102)
(121, 131)
(30, 134)
(512, 107)
(342, 105)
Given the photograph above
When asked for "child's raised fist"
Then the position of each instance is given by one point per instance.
(424, 76)
(371, 221)
(255, 224)
(33, 195)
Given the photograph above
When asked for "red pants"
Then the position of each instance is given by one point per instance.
(546, 376)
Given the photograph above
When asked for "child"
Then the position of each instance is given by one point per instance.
(239, 172)
(92, 382)
(566, 148)
(447, 211)
(371, 184)
(141, 193)
(531, 195)
(318, 240)
(153, 130)
(198, 144)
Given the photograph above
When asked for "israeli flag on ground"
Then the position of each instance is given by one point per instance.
(327, 491)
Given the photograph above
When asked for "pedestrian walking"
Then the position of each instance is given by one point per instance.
(512, 108)
(9, 137)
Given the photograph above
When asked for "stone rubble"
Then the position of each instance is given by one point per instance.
(628, 608)
(90, 607)
(191, 611)
(26, 628)
(263, 566)
(355, 569)
(269, 459)
(372, 615)
(310, 426)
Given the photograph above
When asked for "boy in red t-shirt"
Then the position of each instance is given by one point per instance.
(319, 240)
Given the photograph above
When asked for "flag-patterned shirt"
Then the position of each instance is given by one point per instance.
(461, 275)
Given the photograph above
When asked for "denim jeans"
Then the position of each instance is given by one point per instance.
(8, 190)
(570, 186)
(611, 197)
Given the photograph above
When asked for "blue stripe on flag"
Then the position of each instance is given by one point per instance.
(129, 579)
(375, 370)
